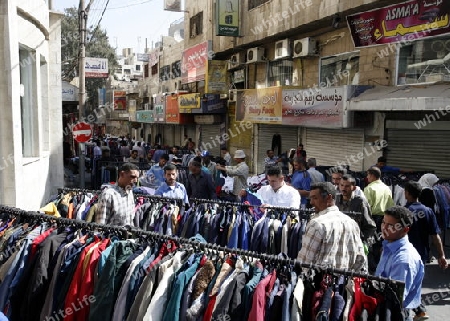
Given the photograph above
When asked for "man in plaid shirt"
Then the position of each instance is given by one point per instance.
(116, 202)
(331, 239)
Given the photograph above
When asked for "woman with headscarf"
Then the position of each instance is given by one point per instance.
(427, 198)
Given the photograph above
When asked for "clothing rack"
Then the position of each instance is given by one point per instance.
(128, 232)
(301, 212)
(98, 192)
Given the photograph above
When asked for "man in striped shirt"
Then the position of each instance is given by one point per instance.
(331, 239)
(116, 202)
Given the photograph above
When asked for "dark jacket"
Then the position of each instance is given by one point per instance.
(201, 186)
(366, 223)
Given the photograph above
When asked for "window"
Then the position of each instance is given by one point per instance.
(138, 68)
(45, 116)
(164, 73)
(154, 69)
(176, 69)
(255, 3)
(280, 73)
(28, 103)
(196, 25)
(339, 70)
(146, 70)
(424, 61)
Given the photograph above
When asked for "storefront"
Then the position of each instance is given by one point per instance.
(287, 116)
(208, 111)
(172, 131)
(418, 132)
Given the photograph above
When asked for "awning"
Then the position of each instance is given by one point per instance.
(402, 98)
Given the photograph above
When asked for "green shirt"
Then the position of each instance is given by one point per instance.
(379, 197)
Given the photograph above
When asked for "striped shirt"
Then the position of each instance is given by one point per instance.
(332, 239)
(115, 206)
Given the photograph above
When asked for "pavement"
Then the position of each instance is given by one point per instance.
(436, 290)
(435, 285)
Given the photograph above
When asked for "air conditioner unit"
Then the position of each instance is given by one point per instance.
(255, 55)
(304, 47)
(282, 49)
(235, 61)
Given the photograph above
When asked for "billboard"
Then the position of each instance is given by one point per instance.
(227, 12)
(406, 21)
(120, 99)
(96, 67)
(261, 105)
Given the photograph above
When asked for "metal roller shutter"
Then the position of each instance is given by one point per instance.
(335, 146)
(169, 135)
(208, 138)
(420, 150)
(289, 139)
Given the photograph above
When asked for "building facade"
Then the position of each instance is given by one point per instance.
(31, 139)
(357, 77)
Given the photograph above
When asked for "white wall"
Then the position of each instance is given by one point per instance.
(28, 182)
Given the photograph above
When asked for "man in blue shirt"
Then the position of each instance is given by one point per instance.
(381, 164)
(171, 188)
(155, 174)
(400, 260)
(424, 226)
(301, 180)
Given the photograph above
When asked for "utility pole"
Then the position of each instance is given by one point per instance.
(82, 13)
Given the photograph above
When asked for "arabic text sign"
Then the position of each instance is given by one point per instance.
(227, 18)
(194, 62)
(145, 116)
(96, 67)
(188, 102)
(172, 112)
(400, 22)
(310, 108)
(216, 77)
(259, 105)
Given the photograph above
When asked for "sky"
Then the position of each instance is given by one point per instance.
(128, 23)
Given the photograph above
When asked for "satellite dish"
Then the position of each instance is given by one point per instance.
(178, 35)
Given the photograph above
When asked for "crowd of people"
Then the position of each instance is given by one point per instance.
(388, 240)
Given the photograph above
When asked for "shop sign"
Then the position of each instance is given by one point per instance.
(145, 116)
(403, 22)
(227, 12)
(261, 105)
(313, 108)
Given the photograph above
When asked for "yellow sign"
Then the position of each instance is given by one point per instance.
(187, 102)
(216, 77)
(259, 105)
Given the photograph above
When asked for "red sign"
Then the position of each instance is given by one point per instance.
(82, 132)
(194, 62)
(406, 21)
(120, 99)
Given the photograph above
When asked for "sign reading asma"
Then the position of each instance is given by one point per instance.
(96, 67)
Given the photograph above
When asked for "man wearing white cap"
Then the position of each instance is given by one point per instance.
(238, 172)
